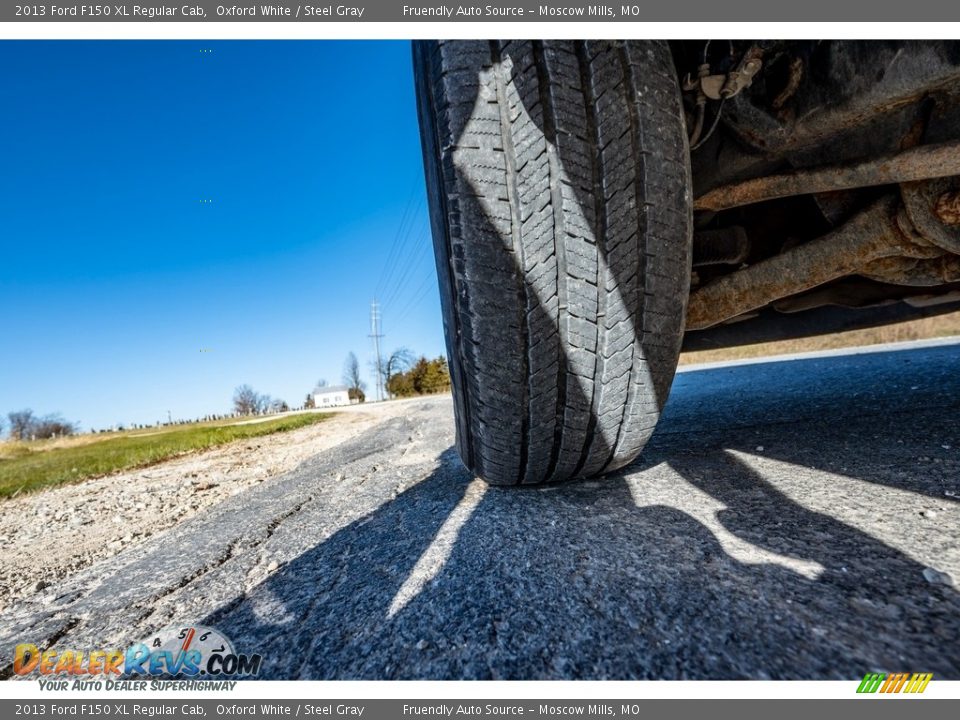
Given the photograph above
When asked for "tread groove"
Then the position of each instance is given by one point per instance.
(556, 202)
(506, 137)
(641, 247)
(599, 234)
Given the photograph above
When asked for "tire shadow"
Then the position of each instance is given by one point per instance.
(611, 579)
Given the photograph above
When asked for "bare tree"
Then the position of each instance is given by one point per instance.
(351, 378)
(246, 400)
(322, 383)
(397, 362)
(279, 406)
(52, 426)
(21, 424)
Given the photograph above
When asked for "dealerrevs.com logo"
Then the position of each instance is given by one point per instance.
(194, 652)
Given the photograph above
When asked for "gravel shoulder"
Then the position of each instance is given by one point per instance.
(48, 535)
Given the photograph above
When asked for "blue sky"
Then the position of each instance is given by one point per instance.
(115, 275)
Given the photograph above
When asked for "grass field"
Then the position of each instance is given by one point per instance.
(933, 327)
(26, 466)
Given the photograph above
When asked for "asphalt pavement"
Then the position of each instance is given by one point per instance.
(789, 519)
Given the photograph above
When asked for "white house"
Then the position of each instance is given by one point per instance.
(331, 396)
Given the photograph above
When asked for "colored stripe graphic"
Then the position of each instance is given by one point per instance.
(894, 683)
(918, 683)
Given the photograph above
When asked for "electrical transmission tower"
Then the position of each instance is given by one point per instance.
(376, 335)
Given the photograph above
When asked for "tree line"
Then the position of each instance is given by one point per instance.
(404, 375)
(422, 377)
(247, 401)
(24, 425)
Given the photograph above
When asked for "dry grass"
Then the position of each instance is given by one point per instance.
(933, 327)
(26, 466)
(15, 448)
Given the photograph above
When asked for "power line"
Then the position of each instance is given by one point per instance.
(412, 259)
(424, 281)
(408, 245)
(396, 237)
(399, 240)
(419, 295)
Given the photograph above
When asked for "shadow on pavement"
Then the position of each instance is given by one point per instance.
(611, 579)
(886, 417)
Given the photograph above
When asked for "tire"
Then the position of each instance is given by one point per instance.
(558, 179)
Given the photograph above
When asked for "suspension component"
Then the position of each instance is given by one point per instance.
(882, 231)
(919, 163)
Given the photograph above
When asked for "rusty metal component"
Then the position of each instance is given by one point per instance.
(872, 235)
(922, 203)
(711, 85)
(947, 208)
(837, 206)
(705, 84)
(721, 87)
(914, 272)
(919, 163)
(771, 325)
(834, 109)
(925, 301)
(850, 292)
(727, 246)
(742, 76)
(794, 76)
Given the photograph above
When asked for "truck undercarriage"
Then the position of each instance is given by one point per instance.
(827, 195)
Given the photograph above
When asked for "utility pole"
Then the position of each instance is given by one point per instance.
(376, 335)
